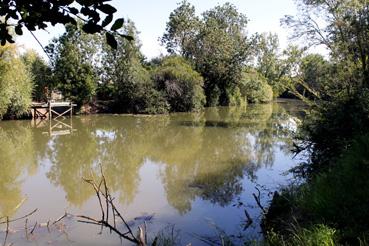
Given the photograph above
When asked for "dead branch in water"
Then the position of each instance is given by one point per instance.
(34, 227)
(102, 192)
(17, 219)
(8, 221)
(258, 200)
(249, 220)
(58, 220)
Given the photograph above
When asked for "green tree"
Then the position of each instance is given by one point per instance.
(15, 83)
(129, 81)
(216, 44)
(181, 30)
(254, 86)
(344, 33)
(334, 134)
(182, 86)
(316, 73)
(42, 75)
(222, 50)
(72, 62)
(269, 61)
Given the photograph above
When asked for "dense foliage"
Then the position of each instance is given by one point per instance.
(334, 135)
(180, 84)
(335, 200)
(126, 81)
(209, 56)
(269, 62)
(72, 65)
(41, 73)
(254, 86)
(15, 83)
(216, 44)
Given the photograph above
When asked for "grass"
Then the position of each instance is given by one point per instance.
(316, 235)
(330, 209)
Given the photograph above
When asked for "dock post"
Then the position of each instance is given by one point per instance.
(71, 109)
(50, 113)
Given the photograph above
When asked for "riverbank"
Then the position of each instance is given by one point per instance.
(329, 209)
(328, 202)
(106, 107)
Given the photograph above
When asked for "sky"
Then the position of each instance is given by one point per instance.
(150, 18)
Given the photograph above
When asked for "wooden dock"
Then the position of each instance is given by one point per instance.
(48, 110)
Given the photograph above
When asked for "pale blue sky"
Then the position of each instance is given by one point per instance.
(150, 18)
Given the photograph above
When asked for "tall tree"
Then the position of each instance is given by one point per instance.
(216, 44)
(221, 52)
(181, 30)
(342, 27)
(72, 57)
(268, 60)
(129, 81)
(42, 75)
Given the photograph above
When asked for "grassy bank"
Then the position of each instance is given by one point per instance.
(331, 209)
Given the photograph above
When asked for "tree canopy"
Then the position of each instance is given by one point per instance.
(216, 44)
(342, 27)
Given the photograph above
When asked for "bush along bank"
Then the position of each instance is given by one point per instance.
(331, 206)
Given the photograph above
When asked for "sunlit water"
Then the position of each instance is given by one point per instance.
(188, 175)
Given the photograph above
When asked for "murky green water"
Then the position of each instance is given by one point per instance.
(187, 171)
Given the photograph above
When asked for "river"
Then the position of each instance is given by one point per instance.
(187, 176)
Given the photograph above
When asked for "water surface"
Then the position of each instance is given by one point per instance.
(187, 174)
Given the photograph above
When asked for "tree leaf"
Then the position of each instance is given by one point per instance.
(107, 20)
(107, 9)
(91, 28)
(117, 24)
(110, 39)
(128, 37)
(73, 10)
(18, 30)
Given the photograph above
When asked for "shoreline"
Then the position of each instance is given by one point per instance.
(96, 108)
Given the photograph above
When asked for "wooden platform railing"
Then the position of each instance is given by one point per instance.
(47, 110)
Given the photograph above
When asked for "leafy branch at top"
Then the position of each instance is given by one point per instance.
(36, 15)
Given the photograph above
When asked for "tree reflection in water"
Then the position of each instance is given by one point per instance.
(204, 155)
(16, 162)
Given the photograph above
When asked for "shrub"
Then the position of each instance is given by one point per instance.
(329, 132)
(135, 92)
(341, 196)
(255, 88)
(235, 97)
(180, 84)
(338, 197)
